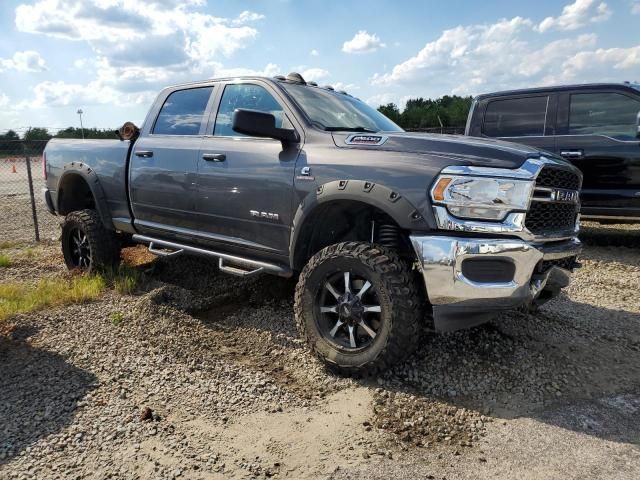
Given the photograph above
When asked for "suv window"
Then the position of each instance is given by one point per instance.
(516, 117)
(183, 112)
(249, 96)
(611, 114)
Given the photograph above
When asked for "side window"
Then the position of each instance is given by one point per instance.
(611, 114)
(183, 112)
(516, 117)
(249, 96)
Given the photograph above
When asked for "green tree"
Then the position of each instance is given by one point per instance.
(391, 111)
(37, 134)
(419, 113)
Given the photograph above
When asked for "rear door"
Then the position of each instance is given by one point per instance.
(527, 119)
(245, 184)
(164, 162)
(598, 133)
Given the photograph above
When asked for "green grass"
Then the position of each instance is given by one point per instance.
(116, 318)
(4, 244)
(21, 297)
(5, 261)
(125, 279)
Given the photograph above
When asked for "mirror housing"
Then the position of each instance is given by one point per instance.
(261, 124)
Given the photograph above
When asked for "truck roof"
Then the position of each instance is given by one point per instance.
(292, 77)
(559, 88)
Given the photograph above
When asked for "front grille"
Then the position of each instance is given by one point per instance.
(558, 178)
(546, 216)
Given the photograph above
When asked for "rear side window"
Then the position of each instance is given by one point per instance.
(516, 117)
(611, 114)
(183, 112)
(246, 96)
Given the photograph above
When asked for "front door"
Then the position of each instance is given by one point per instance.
(164, 164)
(599, 135)
(245, 184)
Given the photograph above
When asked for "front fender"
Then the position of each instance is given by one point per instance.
(403, 212)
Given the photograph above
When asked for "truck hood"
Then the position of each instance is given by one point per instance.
(462, 149)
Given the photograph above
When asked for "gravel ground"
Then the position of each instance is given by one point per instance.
(201, 375)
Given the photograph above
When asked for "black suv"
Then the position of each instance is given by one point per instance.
(596, 127)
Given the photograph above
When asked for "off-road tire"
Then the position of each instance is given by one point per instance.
(400, 297)
(104, 244)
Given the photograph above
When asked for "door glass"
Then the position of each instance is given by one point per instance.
(610, 114)
(516, 117)
(183, 112)
(249, 96)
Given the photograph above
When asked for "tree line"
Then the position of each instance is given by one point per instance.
(34, 139)
(447, 111)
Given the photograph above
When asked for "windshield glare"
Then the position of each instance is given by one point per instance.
(334, 111)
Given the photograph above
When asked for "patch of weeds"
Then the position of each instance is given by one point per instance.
(22, 297)
(124, 279)
(29, 253)
(116, 318)
(5, 244)
(5, 261)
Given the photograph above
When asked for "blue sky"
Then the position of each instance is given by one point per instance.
(111, 57)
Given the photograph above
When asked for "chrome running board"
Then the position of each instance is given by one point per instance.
(243, 266)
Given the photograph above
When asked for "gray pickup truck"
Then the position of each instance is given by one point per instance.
(386, 230)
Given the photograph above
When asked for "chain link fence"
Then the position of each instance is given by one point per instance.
(23, 212)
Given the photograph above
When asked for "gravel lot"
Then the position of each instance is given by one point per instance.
(201, 375)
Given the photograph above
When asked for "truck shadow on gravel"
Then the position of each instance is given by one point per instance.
(571, 365)
(39, 391)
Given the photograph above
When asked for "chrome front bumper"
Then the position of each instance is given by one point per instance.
(459, 302)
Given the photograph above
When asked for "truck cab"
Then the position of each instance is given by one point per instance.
(594, 126)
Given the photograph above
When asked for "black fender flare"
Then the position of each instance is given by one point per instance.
(91, 178)
(401, 210)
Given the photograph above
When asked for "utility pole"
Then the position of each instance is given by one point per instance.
(80, 112)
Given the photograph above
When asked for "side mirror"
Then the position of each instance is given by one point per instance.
(638, 126)
(260, 124)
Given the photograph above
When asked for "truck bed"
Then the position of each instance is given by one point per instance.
(107, 159)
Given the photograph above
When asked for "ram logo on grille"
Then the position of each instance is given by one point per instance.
(564, 196)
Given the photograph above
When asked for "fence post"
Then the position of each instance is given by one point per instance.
(33, 200)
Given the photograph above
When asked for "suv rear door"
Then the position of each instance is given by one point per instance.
(597, 132)
(528, 119)
(245, 184)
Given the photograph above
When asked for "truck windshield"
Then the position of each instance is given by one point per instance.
(332, 111)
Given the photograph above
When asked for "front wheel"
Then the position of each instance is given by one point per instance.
(87, 244)
(359, 307)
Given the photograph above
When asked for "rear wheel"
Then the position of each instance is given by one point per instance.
(359, 307)
(87, 244)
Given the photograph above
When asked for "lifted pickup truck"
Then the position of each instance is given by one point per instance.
(384, 228)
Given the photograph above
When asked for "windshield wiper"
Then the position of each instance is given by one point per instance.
(350, 129)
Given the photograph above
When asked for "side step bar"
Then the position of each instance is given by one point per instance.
(243, 266)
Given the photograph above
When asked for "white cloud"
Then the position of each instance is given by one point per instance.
(247, 17)
(576, 15)
(363, 42)
(314, 53)
(345, 86)
(139, 46)
(27, 61)
(635, 8)
(467, 60)
(583, 63)
(4, 100)
(314, 74)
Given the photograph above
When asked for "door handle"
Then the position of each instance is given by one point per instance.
(571, 153)
(144, 153)
(214, 157)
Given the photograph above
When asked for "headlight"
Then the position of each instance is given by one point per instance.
(481, 197)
